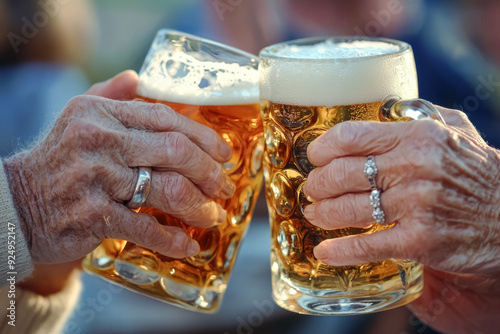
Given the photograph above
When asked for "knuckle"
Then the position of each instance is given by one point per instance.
(85, 134)
(461, 116)
(213, 178)
(424, 194)
(337, 174)
(428, 128)
(345, 134)
(213, 138)
(340, 208)
(456, 117)
(83, 175)
(177, 191)
(132, 112)
(158, 113)
(178, 147)
(364, 250)
(150, 235)
(76, 104)
(97, 210)
(163, 116)
(347, 209)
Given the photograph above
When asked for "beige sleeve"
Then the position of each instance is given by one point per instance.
(35, 314)
(11, 235)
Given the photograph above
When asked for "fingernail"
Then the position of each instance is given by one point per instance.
(225, 151)
(193, 248)
(228, 188)
(222, 215)
(309, 213)
(306, 191)
(320, 253)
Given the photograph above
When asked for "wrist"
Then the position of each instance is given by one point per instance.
(49, 279)
(21, 194)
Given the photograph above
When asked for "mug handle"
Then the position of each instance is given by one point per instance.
(396, 109)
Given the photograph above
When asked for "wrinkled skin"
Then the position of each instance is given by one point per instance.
(441, 185)
(71, 188)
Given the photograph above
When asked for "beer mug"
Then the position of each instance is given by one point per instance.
(308, 86)
(217, 86)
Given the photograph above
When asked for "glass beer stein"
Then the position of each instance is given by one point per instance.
(217, 86)
(308, 86)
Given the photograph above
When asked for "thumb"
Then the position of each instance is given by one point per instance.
(121, 87)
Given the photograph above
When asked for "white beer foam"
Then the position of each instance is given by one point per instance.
(332, 74)
(181, 78)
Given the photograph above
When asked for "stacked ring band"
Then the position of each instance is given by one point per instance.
(371, 172)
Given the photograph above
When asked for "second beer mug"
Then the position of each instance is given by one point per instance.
(217, 86)
(308, 86)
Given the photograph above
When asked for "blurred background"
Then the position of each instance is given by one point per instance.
(52, 50)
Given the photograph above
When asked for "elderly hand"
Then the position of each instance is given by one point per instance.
(441, 186)
(70, 188)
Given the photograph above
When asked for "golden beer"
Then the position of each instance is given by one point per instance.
(305, 91)
(196, 283)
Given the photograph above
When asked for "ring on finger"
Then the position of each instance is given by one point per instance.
(378, 213)
(371, 171)
(141, 190)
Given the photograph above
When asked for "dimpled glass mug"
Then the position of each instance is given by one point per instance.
(307, 86)
(217, 86)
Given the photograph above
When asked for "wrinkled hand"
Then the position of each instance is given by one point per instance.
(441, 184)
(70, 189)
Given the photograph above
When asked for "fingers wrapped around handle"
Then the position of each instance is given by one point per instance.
(435, 182)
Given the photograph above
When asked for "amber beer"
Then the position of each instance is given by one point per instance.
(307, 87)
(224, 96)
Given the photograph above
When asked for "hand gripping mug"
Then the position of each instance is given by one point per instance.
(308, 86)
(217, 86)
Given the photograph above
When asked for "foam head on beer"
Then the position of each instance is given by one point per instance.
(183, 78)
(331, 73)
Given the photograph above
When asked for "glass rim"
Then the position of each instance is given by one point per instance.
(267, 52)
(166, 31)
